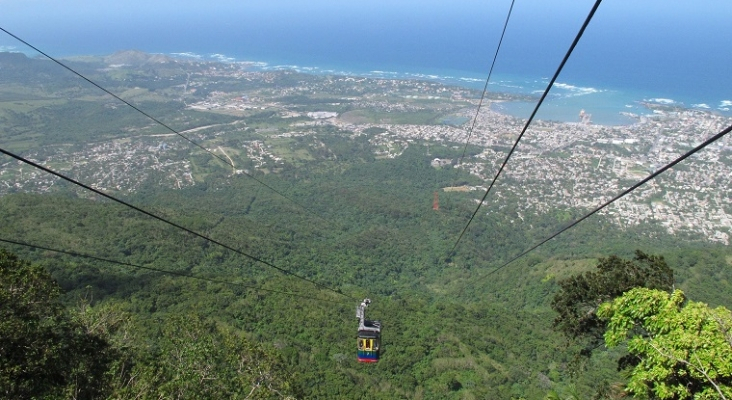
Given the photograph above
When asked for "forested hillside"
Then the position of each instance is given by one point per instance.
(449, 327)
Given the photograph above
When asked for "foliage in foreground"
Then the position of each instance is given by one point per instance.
(44, 351)
(192, 357)
(684, 349)
(48, 351)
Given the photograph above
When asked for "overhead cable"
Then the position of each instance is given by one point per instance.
(618, 197)
(531, 118)
(176, 225)
(157, 121)
(163, 271)
(485, 87)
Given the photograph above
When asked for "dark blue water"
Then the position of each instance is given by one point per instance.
(630, 52)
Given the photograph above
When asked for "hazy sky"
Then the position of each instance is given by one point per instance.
(622, 17)
(25, 10)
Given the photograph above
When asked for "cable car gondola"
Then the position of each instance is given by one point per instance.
(369, 335)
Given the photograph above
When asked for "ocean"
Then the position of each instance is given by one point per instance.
(630, 53)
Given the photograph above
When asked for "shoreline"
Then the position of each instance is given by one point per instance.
(605, 106)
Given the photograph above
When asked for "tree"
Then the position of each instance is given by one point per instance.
(579, 296)
(44, 351)
(684, 350)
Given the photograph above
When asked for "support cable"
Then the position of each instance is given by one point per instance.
(163, 271)
(618, 197)
(178, 226)
(157, 121)
(485, 87)
(531, 118)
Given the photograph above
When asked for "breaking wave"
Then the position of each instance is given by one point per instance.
(576, 90)
(661, 101)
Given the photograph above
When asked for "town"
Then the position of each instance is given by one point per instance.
(557, 165)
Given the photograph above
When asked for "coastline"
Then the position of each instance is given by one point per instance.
(605, 106)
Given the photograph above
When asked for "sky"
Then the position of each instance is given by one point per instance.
(628, 20)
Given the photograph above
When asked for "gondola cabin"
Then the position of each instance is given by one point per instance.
(369, 335)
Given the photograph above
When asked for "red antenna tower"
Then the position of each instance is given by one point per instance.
(436, 202)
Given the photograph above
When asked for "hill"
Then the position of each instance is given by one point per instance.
(136, 58)
(345, 202)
